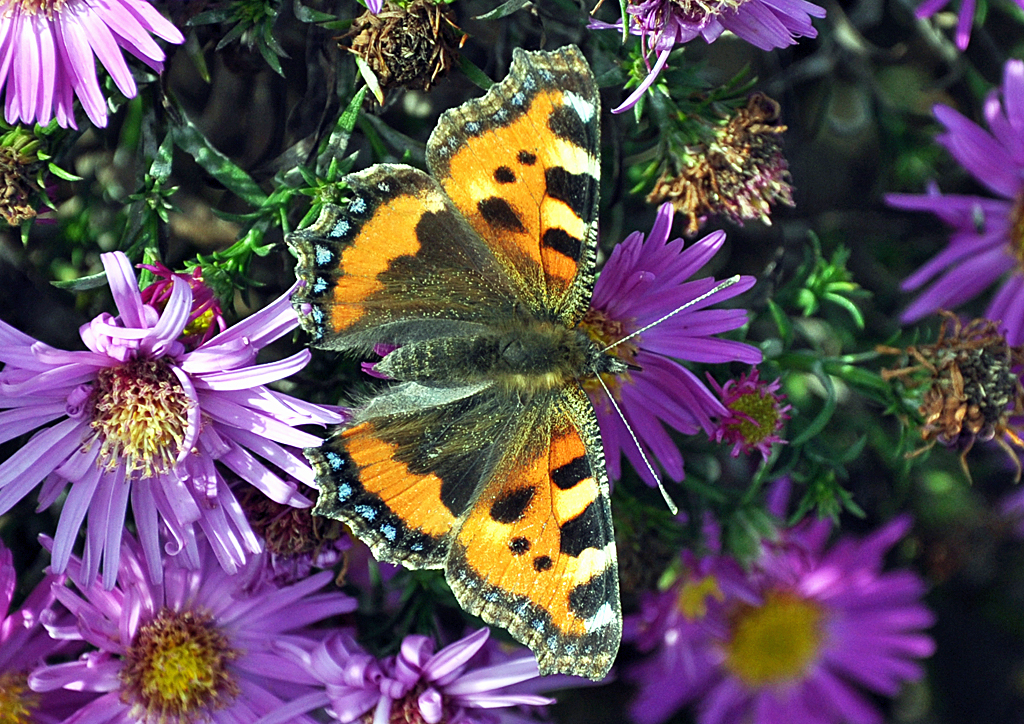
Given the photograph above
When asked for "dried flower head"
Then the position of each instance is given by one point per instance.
(407, 45)
(972, 389)
(21, 172)
(739, 174)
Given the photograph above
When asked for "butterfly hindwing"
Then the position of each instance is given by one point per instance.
(536, 555)
(521, 164)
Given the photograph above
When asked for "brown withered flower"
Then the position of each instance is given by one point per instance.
(409, 45)
(972, 387)
(18, 172)
(738, 174)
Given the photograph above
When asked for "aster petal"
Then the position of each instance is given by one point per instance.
(958, 285)
(292, 464)
(256, 474)
(758, 26)
(228, 412)
(978, 152)
(27, 67)
(253, 376)
(445, 663)
(124, 288)
(21, 420)
(47, 449)
(150, 19)
(81, 64)
(635, 96)
(488, 679)
(105, 47)
(118, 16)
(72, 515)
(172, 320)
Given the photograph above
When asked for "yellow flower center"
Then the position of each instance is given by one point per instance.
(776, 642)
(48, 8)
(140, 413)
(694, 595)
(17, 701)
(762, 410)
(175, 671)
(198, 326)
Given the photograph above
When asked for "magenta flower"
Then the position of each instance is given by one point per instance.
(204, 320)
(197, 647)
(756, 414)
(24, 645)
(49, 49)
(987, 241)
(824, 625)
(417, 685)
(663, 24)
(137, 416)
(641, 282)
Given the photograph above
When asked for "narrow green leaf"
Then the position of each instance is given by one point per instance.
(61, 173)
(211, 17)
(82, 284)
(191, 140)
(505, 9)
(338, 142)
(195, 53)
(307, 14)
(827, 410)
(476, 76)
(370, 78)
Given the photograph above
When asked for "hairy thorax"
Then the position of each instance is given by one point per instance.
(525, 357)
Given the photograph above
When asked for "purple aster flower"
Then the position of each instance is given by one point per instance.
(756, 414)
(642, 282)
(198, 646)
(137, 416)
(417, 685)
(663, 24)
(987, 241)
(49, 49)
(24, 645)
(826, 624)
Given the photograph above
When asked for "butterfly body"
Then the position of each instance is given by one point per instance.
(483, 456)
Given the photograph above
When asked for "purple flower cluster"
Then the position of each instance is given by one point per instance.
(796, 639)
(201, 409)
(987, 239)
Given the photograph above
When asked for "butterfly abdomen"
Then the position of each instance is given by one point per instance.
(526, 357)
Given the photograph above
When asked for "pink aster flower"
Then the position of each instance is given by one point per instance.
(24, 645)
(417, 685)
(663, 24)
(199, 646)
(755, 414)
(206, 318)
(49, 50)
(987, 240)
(641, 282)
(138, 417)
(824, 625)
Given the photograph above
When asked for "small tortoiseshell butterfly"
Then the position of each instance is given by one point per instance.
(484, 457)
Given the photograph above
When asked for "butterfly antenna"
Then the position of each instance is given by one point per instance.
(724, 285)
(673, 508)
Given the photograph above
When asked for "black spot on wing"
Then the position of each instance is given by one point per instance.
(497, 212)
(566, 123)
(519, 545)
(511, 506)
(504, 175)
(575, 190)
(526, 158)
(542, 563)
(586, 530)
(586, 599)
(563, 243)
(571, 473)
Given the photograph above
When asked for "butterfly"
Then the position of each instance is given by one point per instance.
(483, 457)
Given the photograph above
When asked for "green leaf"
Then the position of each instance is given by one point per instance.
(307, 14)
(337, 143)
(83, 284)
(476, 76)
(505, 9)
(370, 78)
(211, 17)
(191, 140)
(61, 173)
(827, 410)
